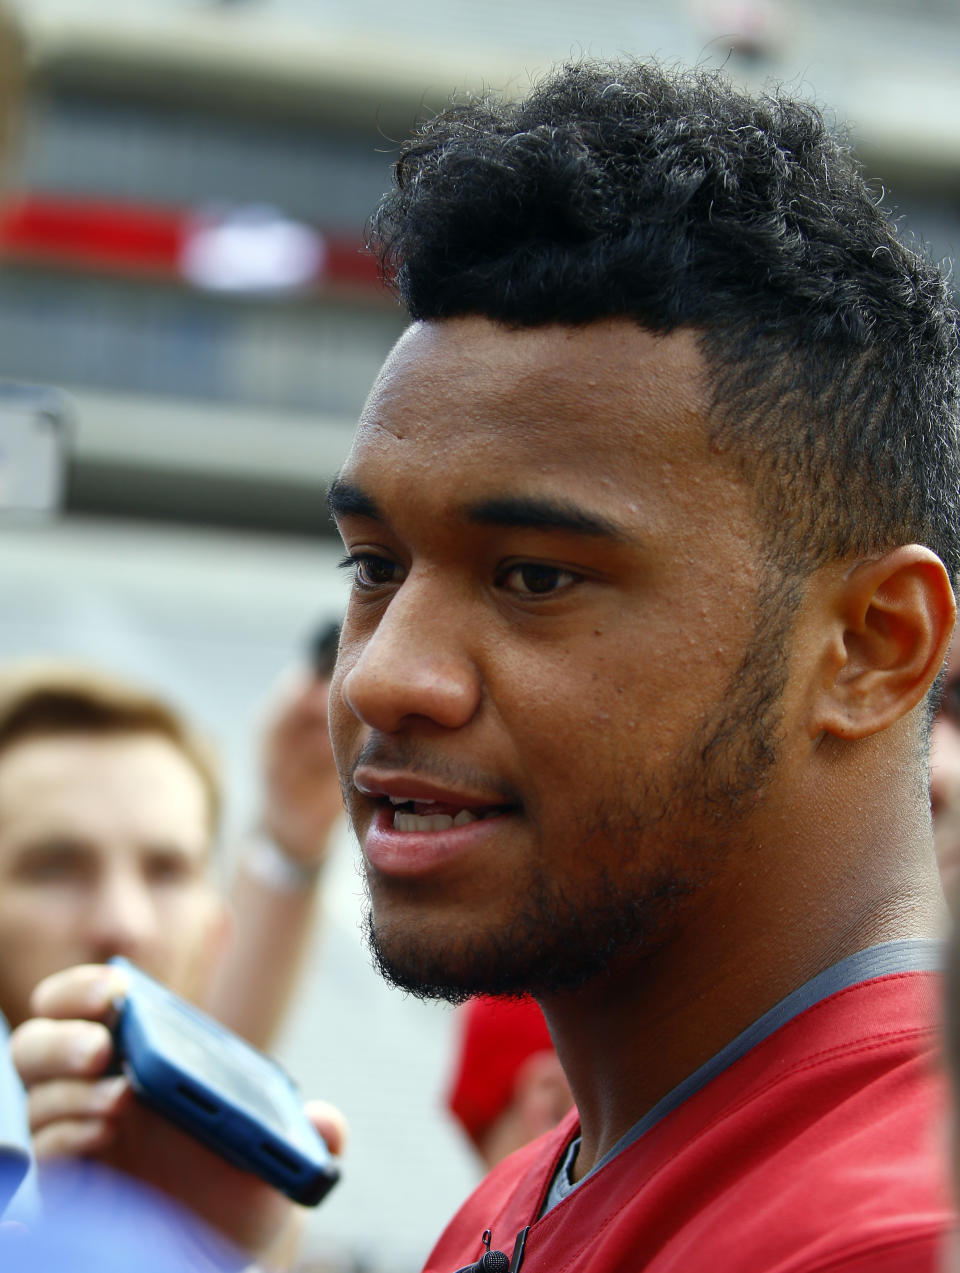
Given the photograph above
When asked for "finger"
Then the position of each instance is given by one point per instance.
(330, 1123)
(43, 1049)
(71, 1099)
(89, 990)
(73, 1138)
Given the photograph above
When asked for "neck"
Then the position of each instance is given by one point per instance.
(631, 1035)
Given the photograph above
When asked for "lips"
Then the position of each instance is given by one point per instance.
(414, 797)
(419, 825)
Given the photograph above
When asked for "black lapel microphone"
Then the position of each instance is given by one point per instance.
(497, 1261)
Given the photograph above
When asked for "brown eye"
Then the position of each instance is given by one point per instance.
(370, 571)
(533, 578)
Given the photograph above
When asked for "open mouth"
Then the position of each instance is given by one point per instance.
(424, 815)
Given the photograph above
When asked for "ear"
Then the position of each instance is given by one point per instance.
(894, 617)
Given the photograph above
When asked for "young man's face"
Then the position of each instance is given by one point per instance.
(557, 691)
(104, 846)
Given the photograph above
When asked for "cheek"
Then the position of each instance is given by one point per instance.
(189, 947)
(36, 939)
(31, 918)
(597, 718)
(185, 915)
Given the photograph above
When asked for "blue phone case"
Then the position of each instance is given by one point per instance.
(215, 1086)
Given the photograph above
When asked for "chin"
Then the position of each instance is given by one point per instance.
(537, 962)
(549, 941)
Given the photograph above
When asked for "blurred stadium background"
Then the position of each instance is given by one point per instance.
(180, 251)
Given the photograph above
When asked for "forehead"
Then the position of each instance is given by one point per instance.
(554, 389)
(137, 785)
(604, 416)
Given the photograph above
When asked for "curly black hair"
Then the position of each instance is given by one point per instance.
(672, 199)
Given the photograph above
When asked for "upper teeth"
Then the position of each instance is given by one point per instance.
(403, 821)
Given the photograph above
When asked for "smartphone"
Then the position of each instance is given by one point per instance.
(218, 1088)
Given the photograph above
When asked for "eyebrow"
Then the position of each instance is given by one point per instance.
(530, 512)
(344, 499)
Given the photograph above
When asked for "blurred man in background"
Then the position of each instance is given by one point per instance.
(109, 804)
(109, 807)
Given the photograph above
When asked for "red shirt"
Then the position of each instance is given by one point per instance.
(822, 1149)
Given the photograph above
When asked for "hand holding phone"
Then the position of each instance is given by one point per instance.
(215, 1086)
(64, 1054)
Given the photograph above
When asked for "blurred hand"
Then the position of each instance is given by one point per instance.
(62, 1055)
(301, 788)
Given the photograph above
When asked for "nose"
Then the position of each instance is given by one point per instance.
(417, 663)
(122, 918)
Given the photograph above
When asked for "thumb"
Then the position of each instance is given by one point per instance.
(330, 1123)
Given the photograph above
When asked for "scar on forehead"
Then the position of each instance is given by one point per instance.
(385, 428)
